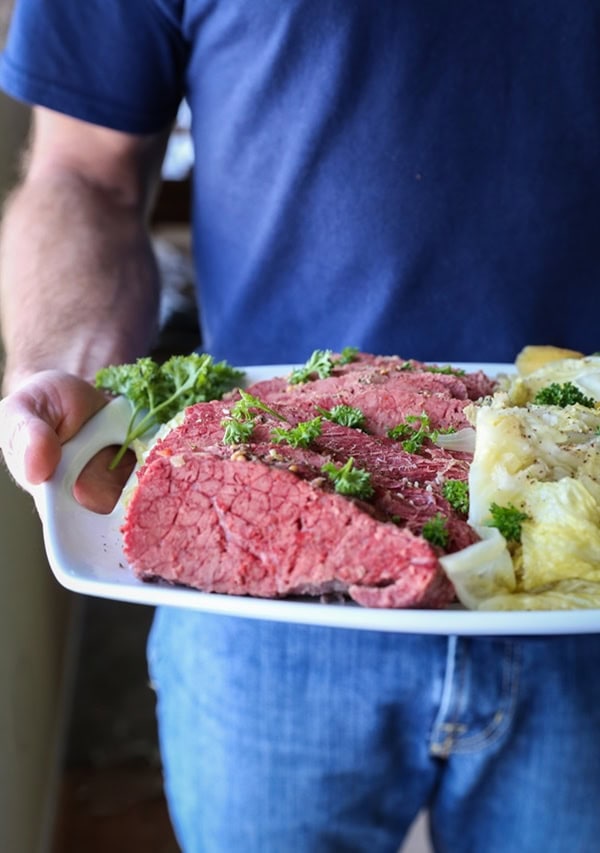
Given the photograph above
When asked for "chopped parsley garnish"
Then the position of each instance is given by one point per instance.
(157, 392)
(300, 435)
(565, 394)
(508, 520)
(349, 480)
(237, 432)
(411, 436)
(456, 493)
(344, 415)
(240, 423)
(248, 402)
(347, 355)
(447, 370)
(320, 364)
(436, 531)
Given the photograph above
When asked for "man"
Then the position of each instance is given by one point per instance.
(420, 178)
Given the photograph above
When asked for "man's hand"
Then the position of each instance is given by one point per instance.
(38, 418)
(79, 286)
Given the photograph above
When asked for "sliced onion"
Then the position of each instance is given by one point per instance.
(462, 439)
(482, 570)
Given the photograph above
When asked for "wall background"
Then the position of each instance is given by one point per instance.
(34, 619)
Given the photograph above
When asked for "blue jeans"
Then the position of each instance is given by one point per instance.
(296, 739)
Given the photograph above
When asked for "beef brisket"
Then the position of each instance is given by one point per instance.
(262, 519)
(386, 389)
(239, 526)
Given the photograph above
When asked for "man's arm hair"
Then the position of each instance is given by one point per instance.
(78, 279)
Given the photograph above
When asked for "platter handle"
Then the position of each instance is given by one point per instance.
(54, 499)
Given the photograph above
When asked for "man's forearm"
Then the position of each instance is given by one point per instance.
(78, 279)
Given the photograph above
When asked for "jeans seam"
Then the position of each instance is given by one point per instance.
(504, 713)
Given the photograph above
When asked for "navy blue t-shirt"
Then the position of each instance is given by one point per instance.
(417, 177)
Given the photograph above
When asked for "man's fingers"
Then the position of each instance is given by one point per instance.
(35, 452)
(38, 418)
(30, 446)
(98, 487)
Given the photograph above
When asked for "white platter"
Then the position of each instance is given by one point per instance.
(85, 553)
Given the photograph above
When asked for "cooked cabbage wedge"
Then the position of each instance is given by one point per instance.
(481, 571)
(533, 357)
(562, 539)
(584, 373)
(545, 462)
(516, 447)
(563, 595)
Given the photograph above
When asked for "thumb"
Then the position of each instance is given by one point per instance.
(38, 418)
(31, 449)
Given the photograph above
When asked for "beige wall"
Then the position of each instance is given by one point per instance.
(33, 622)
(34, 613)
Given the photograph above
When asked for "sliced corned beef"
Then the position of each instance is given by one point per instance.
(239, 526)
(384, 393)
(262, 519)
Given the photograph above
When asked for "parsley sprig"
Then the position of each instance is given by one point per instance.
(237, 432)
(435, 530)
(348, 480)
(509, 520)
(456, 493)
(239, 425)
(348, 355)
(157, 392)
(349, 416)
(320, 363)
(247, 406)
(447, 370)
(565, 394)
(299, 436)
(412, 432)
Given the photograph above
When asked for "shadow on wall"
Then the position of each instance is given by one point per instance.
(34, 618)
(14, 124)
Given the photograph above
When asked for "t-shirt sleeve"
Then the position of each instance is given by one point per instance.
(117, 63)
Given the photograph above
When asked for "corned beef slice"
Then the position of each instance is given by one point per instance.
(244, 527)
(408, 486)
(385, 391)
(261, 519)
